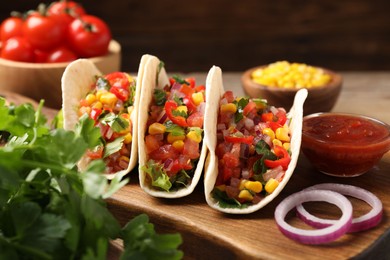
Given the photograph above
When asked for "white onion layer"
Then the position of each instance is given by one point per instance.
(317, 236)
(364, 222)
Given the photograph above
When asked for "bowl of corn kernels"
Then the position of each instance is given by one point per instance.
(278, 82)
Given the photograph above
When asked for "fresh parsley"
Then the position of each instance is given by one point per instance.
(180, 80)
(173, 128)
(159, 96)
(241, 104)
(156, 173)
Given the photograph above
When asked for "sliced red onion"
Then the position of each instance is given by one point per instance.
(245, 173)
(268, 140)
(201, 108)
(273, 173)
(223, 101)
(249, 124)
(221, 127)
(274, 110)
(318, 236)
(240, 125)
(364, 222)
(175, 86)
(244, 151)
(168, 164)
(162, 117)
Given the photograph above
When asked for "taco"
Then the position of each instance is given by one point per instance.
(253, 148)
(170, 131)
(111, 100)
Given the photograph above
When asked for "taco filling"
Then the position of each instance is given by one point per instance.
(110, 103)
(253, 150)
(174, 134)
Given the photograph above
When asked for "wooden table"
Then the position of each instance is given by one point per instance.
(209, 234)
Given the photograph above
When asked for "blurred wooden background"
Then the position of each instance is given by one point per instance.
(194, 35)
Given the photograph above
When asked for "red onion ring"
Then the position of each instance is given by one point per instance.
(317, 236)
(364, 222)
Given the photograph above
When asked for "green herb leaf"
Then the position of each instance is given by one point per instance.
(102, 83)
(226, 202)
(174, 129)
(241, 104)
(159, 178)
(180, 80)
(159, 96)
(114, 146)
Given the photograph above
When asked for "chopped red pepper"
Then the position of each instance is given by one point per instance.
(95, 113)
(178, 120)
(267, 117)
(239, 139)
(248, 108)
(120, 93)
(283, 158)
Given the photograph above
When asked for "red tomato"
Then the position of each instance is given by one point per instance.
(11, 27)
(97, 153)
(40, 56)
(68, 10)
(151, 143)
(89, 36)
(17, 49)
(191, 149)
(61, 54)
(231, 161)
(182, 163)
(229, 96)
(118, 79)
(120, 93)
(248, 108)
(164, 152)
(195, 120)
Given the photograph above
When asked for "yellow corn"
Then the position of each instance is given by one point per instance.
(108, 98)
(242, 184)
(84, 110)
(221, 187)
(129, 77)
(282, 134)
(286, 146)
(124, 158)
(277, 142)
(195, 136)
(97, 105)
(271, 185)
(246, 195)
(90, 98)
(99, 94)
(156, 128)
(197, 98)
(182, 109)
(230, 107)
(269, 132)
(178, 145)
(254, 186)
(128, 138)
(171, 138)
(290, 75)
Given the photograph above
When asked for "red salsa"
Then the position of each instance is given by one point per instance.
(343, 144)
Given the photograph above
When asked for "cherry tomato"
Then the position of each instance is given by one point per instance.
(68, 10)
(40, 56)
(11, 27)
(43, 32)
(61, 54)
(17, 49)
(89, 36)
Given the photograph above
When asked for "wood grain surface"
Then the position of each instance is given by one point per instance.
(209, 234)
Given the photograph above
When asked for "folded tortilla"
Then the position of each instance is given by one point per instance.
(75, 82)
(154, 77)
(214, 91)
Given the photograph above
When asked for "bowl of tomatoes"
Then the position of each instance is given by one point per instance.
(36, 47)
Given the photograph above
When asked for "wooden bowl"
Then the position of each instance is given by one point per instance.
(320, 99)
(43, 80)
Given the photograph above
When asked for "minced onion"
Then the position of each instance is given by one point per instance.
(318, 236)
(364, 222)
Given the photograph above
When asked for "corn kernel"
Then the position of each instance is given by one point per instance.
(156, 128)
(282, 134)
(128, 138)
(277, 142)
(246, 195)
(197, 98)
(99, 94)
(242, 184)
(221, 187)
(108, 98)
(84, 110)
(230, 107)
(269, 132)
(171, 138)
(124, 158)
(178, 145)
(254, 186)
(195, 136)
(97, 105)
(286, 146)
(90, 98)
(271, 185)
(129, 77)
(182, 109)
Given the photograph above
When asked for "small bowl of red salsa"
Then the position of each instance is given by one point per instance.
(344, 145)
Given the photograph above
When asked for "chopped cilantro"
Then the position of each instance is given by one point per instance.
(102, 83)
(173, 128)
(226, 202)
(159, 178)
(180, 80)
(116, 122)
(238, 116)
(159, 96)
(179, 113)
(262, 148)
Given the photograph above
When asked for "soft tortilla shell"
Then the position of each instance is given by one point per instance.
(76, 82)
(151, 81)
(211, 166)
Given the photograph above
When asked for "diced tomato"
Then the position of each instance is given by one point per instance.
(118, 79)
(200, 88)
(187, 90)
(191, 149)
(164, 152)
(231, 161)
(236, 148)
(227, 174)
(229, 96)
(152, 143)
(282, 118)
(267, 117)
(120, 93)
(195, 120)
(274, 125)
(191, 81)
(84, 103)
(182, 163)
(97, 153)
(248, 108)
(225, 118)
